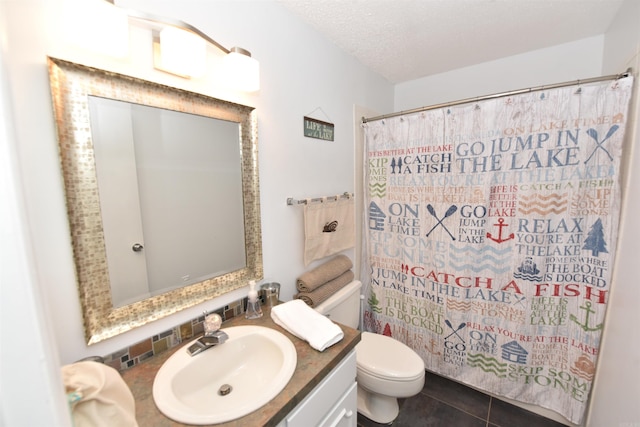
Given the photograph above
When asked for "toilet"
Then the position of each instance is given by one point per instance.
(386, 368)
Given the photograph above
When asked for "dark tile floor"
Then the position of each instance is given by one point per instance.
(446, 403)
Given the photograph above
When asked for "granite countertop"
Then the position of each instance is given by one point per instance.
(312, 367)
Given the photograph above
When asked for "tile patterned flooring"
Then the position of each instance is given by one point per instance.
(446, 403)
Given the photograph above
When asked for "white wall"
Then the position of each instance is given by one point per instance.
(617, 384)
(566, 62)
(23, 321)
(615, 396)
(300, 73)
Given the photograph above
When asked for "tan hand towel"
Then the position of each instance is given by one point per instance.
(322, 274)
(329, 228)
(99, 396)
(322, 293)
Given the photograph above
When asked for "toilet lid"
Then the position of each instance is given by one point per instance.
(383, 357)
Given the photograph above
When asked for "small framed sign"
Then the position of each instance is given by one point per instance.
(314, 128)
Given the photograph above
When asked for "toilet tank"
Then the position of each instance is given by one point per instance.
(343, 306)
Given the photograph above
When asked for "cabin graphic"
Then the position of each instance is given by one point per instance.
(513, 352)
(376, 217)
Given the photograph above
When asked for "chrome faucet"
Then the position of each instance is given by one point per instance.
(213, 336)
(207, 341)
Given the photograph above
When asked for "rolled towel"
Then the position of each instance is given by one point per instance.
(307, 324)
(322, 293)
(320, 275)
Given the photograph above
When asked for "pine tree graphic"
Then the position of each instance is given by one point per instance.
(595, 239)
(373, 302)
(387, 330)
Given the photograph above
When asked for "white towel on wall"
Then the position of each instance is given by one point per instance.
(329, 228)
(304, 322)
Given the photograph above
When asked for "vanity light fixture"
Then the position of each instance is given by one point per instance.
(180, 48)
(179, 52)
(242, 72)
(95, 27)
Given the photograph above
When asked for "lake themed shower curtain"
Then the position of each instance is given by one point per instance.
(489, 237)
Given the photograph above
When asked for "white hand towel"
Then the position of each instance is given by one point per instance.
(304, 322)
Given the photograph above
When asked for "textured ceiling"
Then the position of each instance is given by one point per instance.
(407, 39)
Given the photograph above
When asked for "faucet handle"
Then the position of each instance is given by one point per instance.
(212, 323)
(220, 337)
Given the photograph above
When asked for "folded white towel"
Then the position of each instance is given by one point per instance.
(304, 322)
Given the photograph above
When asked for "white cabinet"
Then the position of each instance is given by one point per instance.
(333, 403)
(344, 413)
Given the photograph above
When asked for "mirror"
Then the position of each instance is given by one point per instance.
(114, 206)
(167, 181)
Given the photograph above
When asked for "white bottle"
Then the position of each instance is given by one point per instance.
(254, 310)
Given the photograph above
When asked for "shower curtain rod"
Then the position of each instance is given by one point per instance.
(499, 95)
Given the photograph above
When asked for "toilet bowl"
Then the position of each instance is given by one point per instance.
(386, 368)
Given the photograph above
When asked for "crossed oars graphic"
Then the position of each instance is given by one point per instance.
(448, 213)
(455, 331)
(599, 144)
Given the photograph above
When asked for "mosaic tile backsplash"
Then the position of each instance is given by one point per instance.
(139, 352)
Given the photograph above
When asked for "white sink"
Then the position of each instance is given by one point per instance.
(257, 363)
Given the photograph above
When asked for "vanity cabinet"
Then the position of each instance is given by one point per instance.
(332, 403)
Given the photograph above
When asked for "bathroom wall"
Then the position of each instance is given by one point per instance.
(33, 370)
(565, 62)
(301, 74)
(614, 399)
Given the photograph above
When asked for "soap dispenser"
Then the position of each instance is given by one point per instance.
(254, 310)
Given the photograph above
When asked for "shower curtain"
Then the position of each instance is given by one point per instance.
(489, 237)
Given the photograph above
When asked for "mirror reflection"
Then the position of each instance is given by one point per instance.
(170, 183)
(162, 191)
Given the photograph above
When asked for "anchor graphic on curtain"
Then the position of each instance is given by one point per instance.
(500, 226)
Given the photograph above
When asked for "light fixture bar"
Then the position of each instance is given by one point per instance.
(242, 72)
(175, 23)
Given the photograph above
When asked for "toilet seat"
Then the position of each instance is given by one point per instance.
(387, 359)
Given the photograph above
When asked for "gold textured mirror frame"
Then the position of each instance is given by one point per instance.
(71, 84)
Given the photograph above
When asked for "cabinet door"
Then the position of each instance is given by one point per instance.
(322, 399)
(345, 413)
